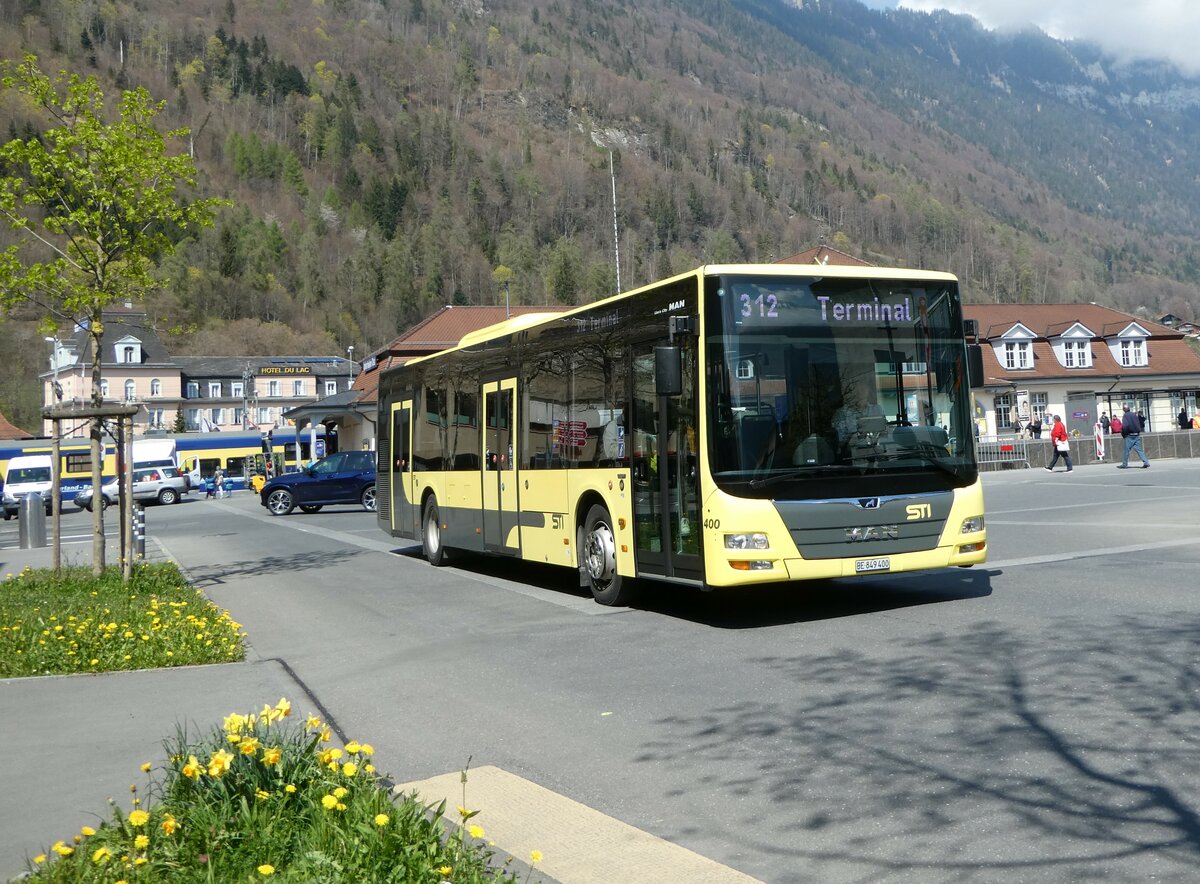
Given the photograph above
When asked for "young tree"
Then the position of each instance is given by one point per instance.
(95, 202)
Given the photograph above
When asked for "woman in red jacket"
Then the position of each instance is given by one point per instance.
(1062, 447)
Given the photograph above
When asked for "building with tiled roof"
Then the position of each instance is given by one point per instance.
(9, 431)
(824, 254)
(1079, 361)
(207, 392)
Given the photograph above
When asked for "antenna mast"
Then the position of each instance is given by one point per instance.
(616, 237)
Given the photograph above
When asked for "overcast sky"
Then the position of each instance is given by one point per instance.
(1129, 29)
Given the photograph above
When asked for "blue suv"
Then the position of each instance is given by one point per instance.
(345, 477)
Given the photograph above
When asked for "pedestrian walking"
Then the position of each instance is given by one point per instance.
(1104, 421)
(1131, 430)
(1061, 443)
(1185, 422)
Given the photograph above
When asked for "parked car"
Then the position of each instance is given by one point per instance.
(346, 477)
(163, 484)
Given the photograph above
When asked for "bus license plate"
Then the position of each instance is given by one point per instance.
(863, 565)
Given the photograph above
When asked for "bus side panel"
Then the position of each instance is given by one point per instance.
(546, 516)
(462, 526)
(616, 489)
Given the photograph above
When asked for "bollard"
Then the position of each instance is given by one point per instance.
(32, 515)
(139, 531)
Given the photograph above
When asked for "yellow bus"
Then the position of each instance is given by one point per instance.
(737, 424)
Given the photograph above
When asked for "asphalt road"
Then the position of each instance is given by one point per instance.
(1034, 719)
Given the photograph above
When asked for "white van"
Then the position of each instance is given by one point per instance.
(158, 453)
(26, 474)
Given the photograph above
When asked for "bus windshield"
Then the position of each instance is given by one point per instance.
(816, 383)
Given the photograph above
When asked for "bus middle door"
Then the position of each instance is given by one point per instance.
(402, 480)
(499, 474)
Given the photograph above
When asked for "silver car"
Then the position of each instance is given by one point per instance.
(164, 484)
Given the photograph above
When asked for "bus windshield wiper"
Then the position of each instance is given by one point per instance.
(798, 472)
(918, 454)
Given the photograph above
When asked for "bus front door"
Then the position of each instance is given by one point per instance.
(499, 473)
(402, 490)
(665, 466)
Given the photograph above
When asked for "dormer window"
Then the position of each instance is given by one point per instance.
(1018, 354)
(1077, 354)
(1133, 353)
(128, 351)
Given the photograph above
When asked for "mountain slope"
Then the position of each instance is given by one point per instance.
(386, 157)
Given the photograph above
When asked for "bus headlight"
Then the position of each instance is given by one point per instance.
(973, 524)
(746, 541)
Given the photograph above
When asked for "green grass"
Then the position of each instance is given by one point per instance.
(76, 622)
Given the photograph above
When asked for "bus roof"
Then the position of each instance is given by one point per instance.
(816, 271)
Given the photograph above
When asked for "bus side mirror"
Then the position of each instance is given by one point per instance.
(668, 371)
(975, 365)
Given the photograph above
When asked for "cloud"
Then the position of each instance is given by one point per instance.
(1148, 29)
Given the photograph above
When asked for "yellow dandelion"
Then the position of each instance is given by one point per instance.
(266, 869)
(535, 856)
(340, 792)
(169, 825)
(39, 859)
(464, 813)
(62, 849)
(138, 817)
(261, 794)
(290, 789)
(329, 802)
(382, 819)
(141, 842)
(445, 871)
(475, 831)
(352, 747)
(88, 831)
(101, 856)
(349, 768)
(367, 749)
(147, 767)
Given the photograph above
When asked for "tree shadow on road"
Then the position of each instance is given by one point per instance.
(1070, 754)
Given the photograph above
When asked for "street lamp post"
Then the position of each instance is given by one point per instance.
(350, 357)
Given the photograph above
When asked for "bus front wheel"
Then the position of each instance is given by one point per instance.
(431, 534)
(600, 559)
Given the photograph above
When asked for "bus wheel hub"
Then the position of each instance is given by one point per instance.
(600, 554)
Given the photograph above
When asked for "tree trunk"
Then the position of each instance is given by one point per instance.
(97, 329)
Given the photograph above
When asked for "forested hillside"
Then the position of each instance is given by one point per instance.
(385, 157)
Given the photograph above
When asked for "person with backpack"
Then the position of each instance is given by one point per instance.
(1131, 430)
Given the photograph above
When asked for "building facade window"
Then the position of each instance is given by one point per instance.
(1039, 403)
(193, 390)
(214, 389)
(104, 388)
(238, 417)
(1133, 353)
(155, 387)
(127, 354)
(1005, 412)
(1077, 354)
(1018, 354)
(237, 389)
(130, 390)
(264, 415)
(330, 388)
(193, 418)
(218, 416)
(154, 417)
(273, 389)
(297, 388)
(745, 370)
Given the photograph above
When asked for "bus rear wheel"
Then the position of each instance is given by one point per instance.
(431, 534)
(599, 554)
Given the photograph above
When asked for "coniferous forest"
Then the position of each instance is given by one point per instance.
(387, 157)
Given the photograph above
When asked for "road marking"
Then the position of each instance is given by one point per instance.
(1088, 554)
(579, 845)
